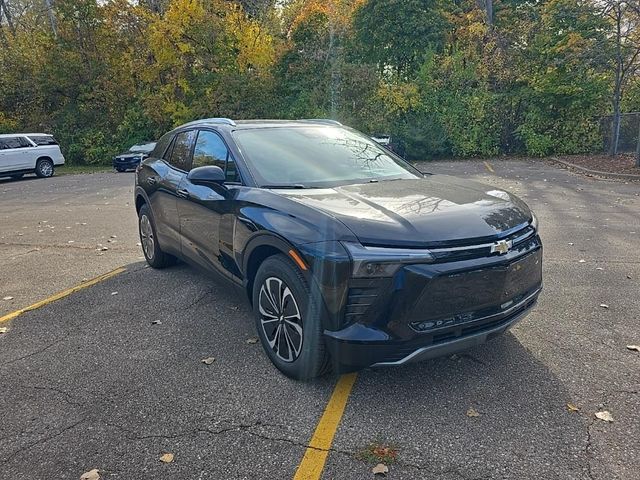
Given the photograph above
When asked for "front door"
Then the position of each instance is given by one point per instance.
(202, 207)
(166, 178)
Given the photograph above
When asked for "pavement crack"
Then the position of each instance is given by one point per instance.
(37, 352)
(68, 398)
(42, 440)
(587, 449)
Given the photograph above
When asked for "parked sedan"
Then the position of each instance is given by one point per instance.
(132, 158)
(349, 256)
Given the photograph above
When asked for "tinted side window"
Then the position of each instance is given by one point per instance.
(210, 150)
(43, 140)
(161, 147)
(181, 154)
(13, 142)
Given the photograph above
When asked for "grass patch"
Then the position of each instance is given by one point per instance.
(79, 169)
(378, 452)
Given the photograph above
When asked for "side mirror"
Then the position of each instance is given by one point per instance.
(206, 175)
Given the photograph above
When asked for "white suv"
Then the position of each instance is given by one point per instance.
(22, 153)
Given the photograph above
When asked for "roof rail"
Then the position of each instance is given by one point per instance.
(328, 121)
(225, 121)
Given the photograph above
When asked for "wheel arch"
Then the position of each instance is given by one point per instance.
(257, 251)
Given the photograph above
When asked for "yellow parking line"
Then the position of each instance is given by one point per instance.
(315, 456)
(489, 167)
(64, 293)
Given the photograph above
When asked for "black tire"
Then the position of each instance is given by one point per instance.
(17, 176)
(154, 255)
(44, 168)
(312, 359)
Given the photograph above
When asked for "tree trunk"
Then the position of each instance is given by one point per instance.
(52, 17)
(617, 90)
(638, 143)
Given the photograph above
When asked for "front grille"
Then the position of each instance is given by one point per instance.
(483, 250)
(406, 349)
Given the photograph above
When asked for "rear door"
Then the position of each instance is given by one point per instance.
(206, 210)
(164, 177)
(16, 153)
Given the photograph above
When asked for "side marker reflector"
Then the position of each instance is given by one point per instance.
(296, 258)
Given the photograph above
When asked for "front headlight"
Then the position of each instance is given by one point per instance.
(381, 261)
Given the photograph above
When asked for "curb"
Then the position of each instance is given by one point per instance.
(618, 176)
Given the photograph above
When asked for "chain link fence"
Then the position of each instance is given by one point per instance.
(629, 132)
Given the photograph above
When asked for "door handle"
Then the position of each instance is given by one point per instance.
(152, 180)
(182, 193)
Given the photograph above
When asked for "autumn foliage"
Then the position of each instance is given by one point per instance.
(102, 75)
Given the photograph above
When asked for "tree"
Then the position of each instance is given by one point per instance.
(625, 18)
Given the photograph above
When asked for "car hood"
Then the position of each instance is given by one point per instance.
(131, 154)
(437, 210)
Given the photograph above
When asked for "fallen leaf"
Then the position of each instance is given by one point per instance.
(582, 260)
(156, 322)
(252, 340)
(572, 408)
(599, 268)
(208, 360)
(604, 416)
(604, 305)
(634, 347)
(4, 329)
(629, 277)
(570, 244)
(472, 412)
(7, 298)
(114, 293)
(380, 469)
(167, 458)
(91, 475)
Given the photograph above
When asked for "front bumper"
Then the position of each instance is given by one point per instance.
(126, 163)
(350, 355)
(427, 311)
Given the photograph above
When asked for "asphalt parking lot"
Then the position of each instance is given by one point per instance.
(111, 377)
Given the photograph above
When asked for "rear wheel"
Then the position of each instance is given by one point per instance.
(44, 168)
(154, 255)
(288, 319)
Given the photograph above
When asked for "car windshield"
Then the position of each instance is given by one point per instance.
(145, 147)
(317, 156)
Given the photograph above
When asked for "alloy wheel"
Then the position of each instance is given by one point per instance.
(46, 169)
(280, 319)
(146, 236)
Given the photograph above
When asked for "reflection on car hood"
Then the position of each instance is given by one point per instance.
(437, 210)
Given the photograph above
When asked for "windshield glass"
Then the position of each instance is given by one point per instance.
(145, 148)
(317, 156)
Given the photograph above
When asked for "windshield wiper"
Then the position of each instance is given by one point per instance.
(290, 186)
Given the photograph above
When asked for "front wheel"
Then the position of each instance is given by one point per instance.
(154, 255)
(44, 168)
(288, 319)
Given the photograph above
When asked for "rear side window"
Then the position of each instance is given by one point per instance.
(43, 140)
(8, 143)
(181, 154)
(161, 147)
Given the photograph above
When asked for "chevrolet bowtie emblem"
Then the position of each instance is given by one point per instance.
(501, 246)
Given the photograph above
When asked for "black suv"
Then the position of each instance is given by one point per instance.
(349, 255)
